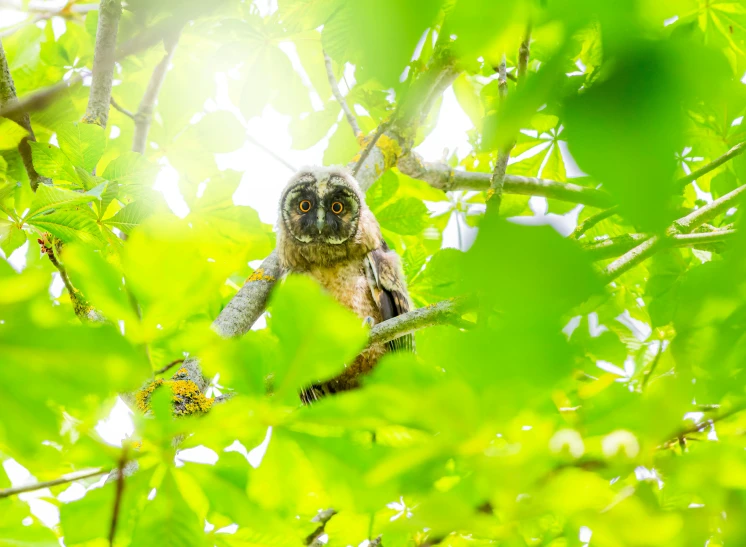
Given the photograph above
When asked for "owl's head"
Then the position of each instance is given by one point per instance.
(321, 206)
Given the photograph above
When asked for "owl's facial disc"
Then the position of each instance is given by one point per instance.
(325, 211)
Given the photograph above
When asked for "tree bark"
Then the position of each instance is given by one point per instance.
(103, 62)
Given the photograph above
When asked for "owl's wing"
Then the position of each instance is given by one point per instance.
(389, 291)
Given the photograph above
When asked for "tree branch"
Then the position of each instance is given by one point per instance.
(729, 155)
(8, 98)
(709, 211)
(65, 479)
(434, 314)
(443, 177)
(82, 308)
(144, 116)
(615, 246)
(104, 56)
(322, 518)
(340, 98)
(591, 221)
(249, 302)
(682, 226)
(497, 180)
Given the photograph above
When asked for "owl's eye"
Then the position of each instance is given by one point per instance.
(304, 206)
(337, 207)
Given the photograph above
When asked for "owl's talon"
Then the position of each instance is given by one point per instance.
(369, 321)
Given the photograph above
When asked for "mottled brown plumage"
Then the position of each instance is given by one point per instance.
(326, 231)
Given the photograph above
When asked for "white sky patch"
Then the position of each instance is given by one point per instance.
(57, 285)
(17, 258)
(118, 425)
(256, 454)
(167, 183)
(197, 454)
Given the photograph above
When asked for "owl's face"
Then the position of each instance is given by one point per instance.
(321, 207)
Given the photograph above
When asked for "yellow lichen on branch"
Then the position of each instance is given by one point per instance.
(391, 150)
(259, 275)
(187, 398)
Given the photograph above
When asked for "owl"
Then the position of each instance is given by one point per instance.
(326, 231)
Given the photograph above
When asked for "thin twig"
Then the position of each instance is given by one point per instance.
(649, 373)
(50, 252)
(276, 156)
(173, 363)
(382, 127)
(694, 175)
(523, 55)
(118, 496)
(679, 437)
(340, 98)
(65, 479)
(144, 116)
(591, 221)
(116, 106)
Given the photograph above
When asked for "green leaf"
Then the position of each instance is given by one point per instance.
(65, 361)
(88, 180)
(70, 226)
(50, 161)
(130, 216)
(82, 143)
(16, 532)
(310, 130)
(382, 190)
(130, 168)
(10, 134)
(168, 519)
(50, 197)
(406, 216)
(219, 132)
(394, 26)
(317, 335)
(342, 145)
(11, 238)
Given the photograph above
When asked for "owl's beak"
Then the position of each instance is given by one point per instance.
(320, 220)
